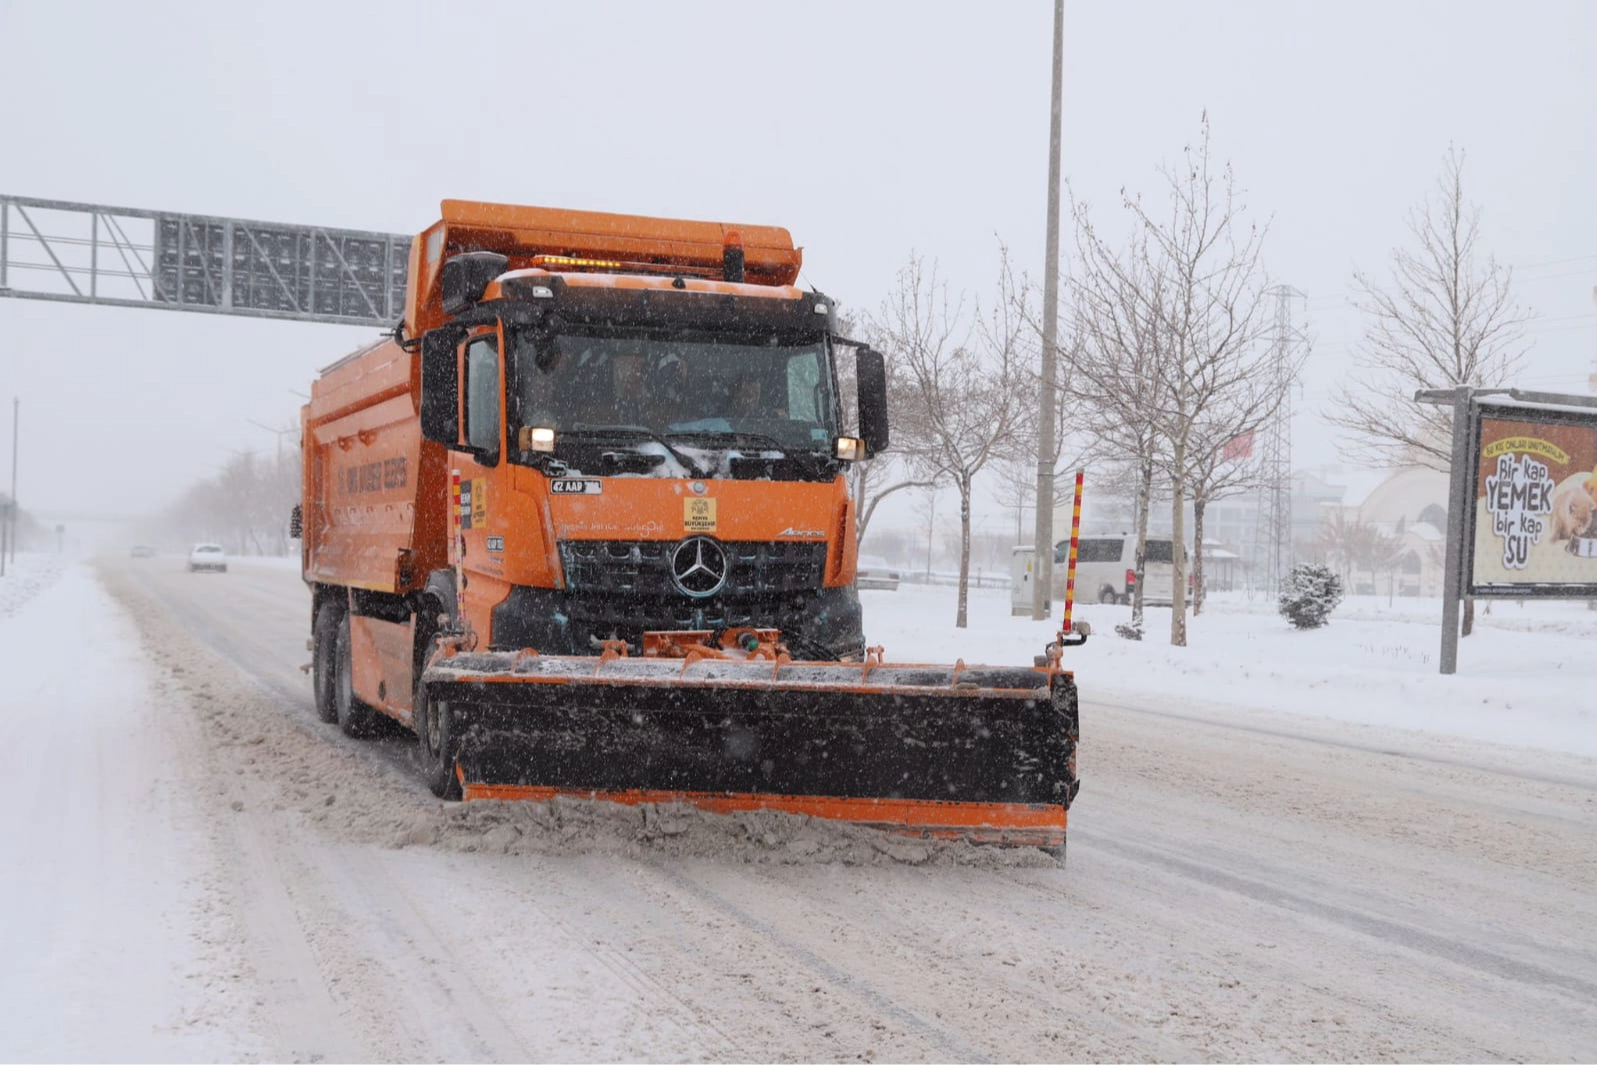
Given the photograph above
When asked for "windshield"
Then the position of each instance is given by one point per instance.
(699, 392)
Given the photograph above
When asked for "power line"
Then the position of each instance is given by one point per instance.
(1558, 262)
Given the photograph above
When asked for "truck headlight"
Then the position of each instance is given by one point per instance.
(536, 438)
(850, 449)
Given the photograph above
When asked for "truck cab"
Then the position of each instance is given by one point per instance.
(667, 455)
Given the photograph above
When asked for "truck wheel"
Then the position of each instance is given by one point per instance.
(324, 640)
(1056, 853)
(1107, 596)
(437, 743)
(354, 716)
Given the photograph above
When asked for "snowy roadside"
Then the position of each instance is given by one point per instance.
(1526, 679)
(110, 904)
(26, 576)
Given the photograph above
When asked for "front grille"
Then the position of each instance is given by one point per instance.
(620, 590)
(641, 571)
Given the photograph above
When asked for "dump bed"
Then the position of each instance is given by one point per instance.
(376, 492)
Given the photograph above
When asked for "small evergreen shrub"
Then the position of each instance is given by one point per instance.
(1309, 595)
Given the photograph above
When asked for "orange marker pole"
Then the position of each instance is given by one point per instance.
(1075, 542)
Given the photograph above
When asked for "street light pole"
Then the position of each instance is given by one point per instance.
(278, 432)
(1043, 534)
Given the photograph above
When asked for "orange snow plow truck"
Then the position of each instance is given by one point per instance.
(582, 523)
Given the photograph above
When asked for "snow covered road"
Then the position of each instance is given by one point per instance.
(207, 871)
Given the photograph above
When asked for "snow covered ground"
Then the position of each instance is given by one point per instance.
(116, 947)
(198, 868)
(1527, 678)
(26, 576)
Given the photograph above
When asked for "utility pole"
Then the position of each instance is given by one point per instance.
(1043, 533)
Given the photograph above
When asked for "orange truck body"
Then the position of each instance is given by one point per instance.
(427, 557)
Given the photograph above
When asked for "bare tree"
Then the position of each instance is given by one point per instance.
(1386, 556)
(879, 476)
(926, 515)
(1072, 440)
(1347, 542)
(1222, 462)
(244, 507)
(875, 479)
(1210, 318)
(1112, 365)
(961, 370)
(1446, 318)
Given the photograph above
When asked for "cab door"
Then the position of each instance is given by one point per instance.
(484, 480)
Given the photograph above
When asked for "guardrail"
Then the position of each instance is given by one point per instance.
(978, 578)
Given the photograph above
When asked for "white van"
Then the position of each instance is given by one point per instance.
(1106, 570)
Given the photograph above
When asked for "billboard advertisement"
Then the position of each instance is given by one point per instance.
(1535, 502)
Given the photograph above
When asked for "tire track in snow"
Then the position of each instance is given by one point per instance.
(1386, 930)
(363, 941)
(956, 1048)
(971, 979)
(1088, 705)
(226, 633)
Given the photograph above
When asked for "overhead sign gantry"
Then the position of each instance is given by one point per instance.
(130, 257)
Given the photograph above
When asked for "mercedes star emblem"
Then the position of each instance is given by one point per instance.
(698, 567)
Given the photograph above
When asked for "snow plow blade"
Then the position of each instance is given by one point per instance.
(980, 753)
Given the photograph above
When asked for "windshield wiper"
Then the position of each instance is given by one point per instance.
(637, 431)
(737, 437)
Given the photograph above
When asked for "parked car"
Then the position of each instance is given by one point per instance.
(141, 551)
(208, 556)
(874, 572)
(1106, 569)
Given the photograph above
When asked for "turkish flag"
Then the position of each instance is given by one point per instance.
(1238, 447)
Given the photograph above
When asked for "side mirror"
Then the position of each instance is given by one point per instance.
(871, 375)
(440, 387)
(466, 277)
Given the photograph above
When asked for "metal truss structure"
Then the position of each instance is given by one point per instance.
(128, 257)
(1272, 538)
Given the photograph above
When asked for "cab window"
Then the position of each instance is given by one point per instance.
(482, 397)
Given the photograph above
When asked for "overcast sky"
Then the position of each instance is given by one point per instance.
(868, 129)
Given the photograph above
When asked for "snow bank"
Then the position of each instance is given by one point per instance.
(1527, 677)
(26, 576)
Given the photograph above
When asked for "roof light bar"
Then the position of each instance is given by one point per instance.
(559, 263)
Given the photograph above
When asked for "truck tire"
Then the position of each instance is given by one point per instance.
(354, 716)
(1107, 596)
(435, 736)
(324, 641)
